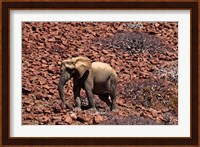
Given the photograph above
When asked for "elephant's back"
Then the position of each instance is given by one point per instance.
(102, 71)
(101, 67)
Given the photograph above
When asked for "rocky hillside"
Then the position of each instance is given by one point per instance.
(144, 55)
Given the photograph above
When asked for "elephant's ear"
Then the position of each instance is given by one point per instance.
(82, 65)
(67, 64)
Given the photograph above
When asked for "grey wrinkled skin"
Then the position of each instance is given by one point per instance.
(95, 78)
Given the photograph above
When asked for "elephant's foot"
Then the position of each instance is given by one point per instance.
(93, 109)
(114, 110)
(77, 109)
(113, 105)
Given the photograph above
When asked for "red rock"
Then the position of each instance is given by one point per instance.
(28, 109)
(25, 90)
(105, 51)
(44, 65)
(167, 25)
(157, 24)
(102, 59)
(73, 116)
(52, 69)
(55, 81)
(90, 122)
(57, 118)
(56, 57)
(154, 113)
(126, 55)
(46, 86)
(165, 110)
(51, 39)
(170, 54)
(47, 111)
(83, 117)
(51, 92)
(45, 119)
(38, 109)
(158, 120)
(44, 61)
(54, 77)
(162, 57)
(68, 119)
(161, 118)
(40, 47)
(48, 45)
(42, 80)
(154, 61)
(39, 96)
(48, 97)
(57, 108)
(27, 116)
(35, 72)
(120, 102)
(98, 119)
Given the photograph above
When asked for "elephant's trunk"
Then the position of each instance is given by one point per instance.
(60, 90)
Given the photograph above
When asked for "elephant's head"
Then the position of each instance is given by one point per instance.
(72, 67)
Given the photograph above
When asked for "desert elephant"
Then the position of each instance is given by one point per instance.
(94, 77)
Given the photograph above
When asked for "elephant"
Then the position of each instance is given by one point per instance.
(94, 77)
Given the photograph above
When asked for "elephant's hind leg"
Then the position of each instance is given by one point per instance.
(113, 90)
(104, 97)
(76, 90)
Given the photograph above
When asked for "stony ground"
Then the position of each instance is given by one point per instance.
(144, 55)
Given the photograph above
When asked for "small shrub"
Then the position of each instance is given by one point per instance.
(154, 93)
(129, 120)
(136, 42)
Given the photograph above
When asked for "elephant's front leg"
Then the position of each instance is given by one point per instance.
(88, 89)
(76, 90)
(60, 90)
